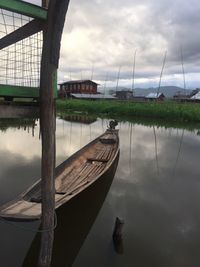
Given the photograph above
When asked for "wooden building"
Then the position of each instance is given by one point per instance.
(77, 87)
(124, 94)
(155, 97)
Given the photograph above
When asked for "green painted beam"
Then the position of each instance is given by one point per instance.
(18, 91)
(55, 84)
(21, 91)
(24, 8)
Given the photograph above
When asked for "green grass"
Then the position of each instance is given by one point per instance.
(169, 111)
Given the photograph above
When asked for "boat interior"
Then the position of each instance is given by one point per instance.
(82, 170)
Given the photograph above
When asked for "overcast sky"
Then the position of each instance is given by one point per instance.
(104, 34)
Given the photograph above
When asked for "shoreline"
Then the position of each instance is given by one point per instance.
(166, 111)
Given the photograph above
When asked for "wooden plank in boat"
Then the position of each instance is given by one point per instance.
(96, 159)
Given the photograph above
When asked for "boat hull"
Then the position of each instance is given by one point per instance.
(75, 219)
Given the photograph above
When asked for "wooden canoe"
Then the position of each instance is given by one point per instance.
(75, 220)
(72, 177)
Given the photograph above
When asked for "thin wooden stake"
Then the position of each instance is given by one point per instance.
(133, 74)
(118, 76)
(163, 65)
(183, 70)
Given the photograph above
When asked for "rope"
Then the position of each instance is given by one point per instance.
(3, 220)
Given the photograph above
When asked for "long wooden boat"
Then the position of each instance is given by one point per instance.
(75, 175)
(77, 218)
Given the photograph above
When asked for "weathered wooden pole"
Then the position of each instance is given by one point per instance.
(117, 236)
(48, 85)
(45, 3)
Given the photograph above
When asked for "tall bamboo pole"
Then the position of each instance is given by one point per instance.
(183, 70)
(50, 58)
(161, 73)
(133, 73)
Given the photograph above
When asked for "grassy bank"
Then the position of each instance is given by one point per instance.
(169, 111)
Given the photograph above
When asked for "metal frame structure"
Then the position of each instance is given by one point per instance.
(39, 15)
(24, 8)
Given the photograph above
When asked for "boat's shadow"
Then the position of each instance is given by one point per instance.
(74, 222)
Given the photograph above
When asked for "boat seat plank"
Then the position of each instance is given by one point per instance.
(108, 139)
(36, 199)
(97, 159)
(60, 193)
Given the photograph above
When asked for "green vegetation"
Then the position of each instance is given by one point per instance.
(168, 111)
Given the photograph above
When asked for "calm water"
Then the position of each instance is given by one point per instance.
(156, 191)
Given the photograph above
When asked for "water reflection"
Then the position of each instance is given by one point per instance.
(19, 156)
(27, 124)
(79, 118)
(161, 212)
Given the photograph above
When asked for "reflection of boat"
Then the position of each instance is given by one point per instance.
(74, 223)
(74, 176)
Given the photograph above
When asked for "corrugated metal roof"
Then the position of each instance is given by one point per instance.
(197, 96)
(153, 95)
(93, 96)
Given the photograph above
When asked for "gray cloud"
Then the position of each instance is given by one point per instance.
(108, 32)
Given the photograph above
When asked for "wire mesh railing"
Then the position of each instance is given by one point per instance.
(19, 62)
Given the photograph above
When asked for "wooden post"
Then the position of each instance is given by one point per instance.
(50, 57)
(117, 236)
(45, 3)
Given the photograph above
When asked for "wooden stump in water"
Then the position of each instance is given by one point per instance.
(117, 236)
